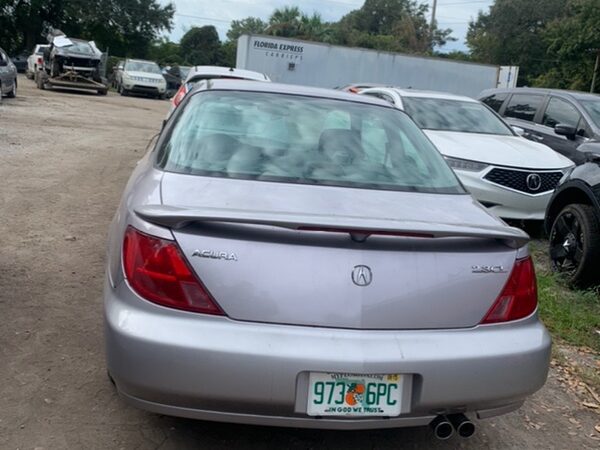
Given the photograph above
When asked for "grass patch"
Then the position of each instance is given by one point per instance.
(572, 316)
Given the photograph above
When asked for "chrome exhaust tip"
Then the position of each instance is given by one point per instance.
(442, 428)
(463, 426)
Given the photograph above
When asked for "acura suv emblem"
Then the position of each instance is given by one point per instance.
(362, 275)
(534, 182)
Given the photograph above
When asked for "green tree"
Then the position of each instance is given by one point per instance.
(574, 41)
(201, 46)
(392, 25)
(126, 26)
(249, 25)
(285, 22)
(512, 33)
(165, 52)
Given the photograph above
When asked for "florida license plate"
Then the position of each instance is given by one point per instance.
(341, 394)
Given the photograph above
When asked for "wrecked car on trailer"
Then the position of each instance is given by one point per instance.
(71, 63)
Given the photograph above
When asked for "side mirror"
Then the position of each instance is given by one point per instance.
(520, 131)
(566, 130)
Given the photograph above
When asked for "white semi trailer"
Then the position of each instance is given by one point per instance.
(315, 64)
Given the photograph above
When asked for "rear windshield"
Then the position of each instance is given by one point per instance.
(454, 115)
(305, 140)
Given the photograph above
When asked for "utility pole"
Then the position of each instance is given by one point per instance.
(432, 23)
(593, 87)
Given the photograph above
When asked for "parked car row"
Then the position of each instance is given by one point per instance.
(511, 176)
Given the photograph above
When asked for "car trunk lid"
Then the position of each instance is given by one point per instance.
(296, 254)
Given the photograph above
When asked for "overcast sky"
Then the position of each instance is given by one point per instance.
(454, 14)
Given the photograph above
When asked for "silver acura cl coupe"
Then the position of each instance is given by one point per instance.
(304, 257)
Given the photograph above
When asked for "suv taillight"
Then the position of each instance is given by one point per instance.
(518, 299)
(183, 89)
(157, 271)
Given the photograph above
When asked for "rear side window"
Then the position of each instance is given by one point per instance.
(303, 140)
(523, 106)
(495, 101)
(560, 111)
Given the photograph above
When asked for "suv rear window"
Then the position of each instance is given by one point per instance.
(303, 140)
(523, 106)
(495, 101)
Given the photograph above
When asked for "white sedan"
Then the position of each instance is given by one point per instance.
(508, 174)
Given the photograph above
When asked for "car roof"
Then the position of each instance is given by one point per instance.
(578, 95)
(218, 71)
(218, 84)
(428, 94)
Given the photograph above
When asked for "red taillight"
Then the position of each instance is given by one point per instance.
(179, 95)
(158, 272)
(518, 299)
(39, 61)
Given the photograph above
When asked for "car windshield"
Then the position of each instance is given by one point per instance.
(454, 115)
(81, 47)
(304, 140)
(142, 66)
(593, 109)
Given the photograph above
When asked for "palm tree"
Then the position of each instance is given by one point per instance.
(285, 22)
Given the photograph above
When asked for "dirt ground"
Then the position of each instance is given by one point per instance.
(64, 160)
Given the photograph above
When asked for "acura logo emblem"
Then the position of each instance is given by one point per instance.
(534, 182)
(362, 275)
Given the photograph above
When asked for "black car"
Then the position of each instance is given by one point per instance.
(20, 62)
(573, 221)
(563, 120)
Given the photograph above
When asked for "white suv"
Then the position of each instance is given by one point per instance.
(510, 175)
(140, 77)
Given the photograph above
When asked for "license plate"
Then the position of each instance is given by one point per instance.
(341, 394)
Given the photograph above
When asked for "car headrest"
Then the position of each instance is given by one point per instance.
(342, 146)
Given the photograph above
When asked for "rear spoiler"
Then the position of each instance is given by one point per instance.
(174, 217)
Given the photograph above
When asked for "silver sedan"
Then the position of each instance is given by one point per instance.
(301, 257)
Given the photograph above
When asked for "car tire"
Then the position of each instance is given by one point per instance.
(574, 244)
(13, 91)
(102, 91)
(123, 92)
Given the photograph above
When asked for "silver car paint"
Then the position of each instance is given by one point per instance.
(8, 75)
(244, 370)
(216, 368)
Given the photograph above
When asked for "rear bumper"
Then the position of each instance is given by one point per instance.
(213, 368)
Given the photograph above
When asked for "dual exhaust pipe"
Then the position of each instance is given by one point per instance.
(444, 426)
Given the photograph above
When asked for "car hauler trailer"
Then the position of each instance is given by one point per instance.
(323, 65)
(71, 63)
